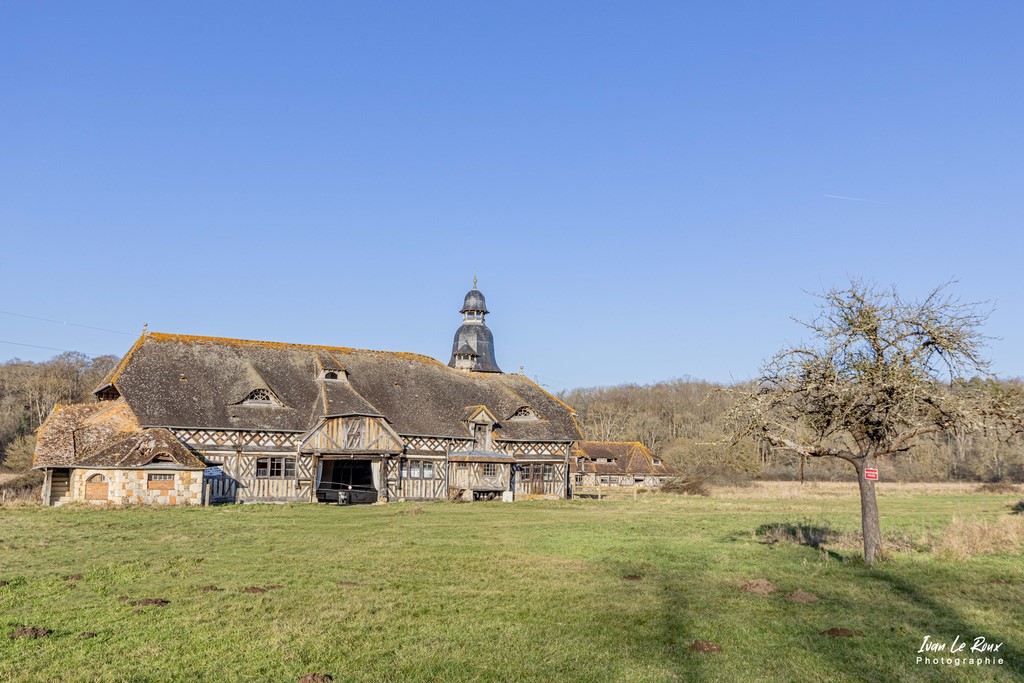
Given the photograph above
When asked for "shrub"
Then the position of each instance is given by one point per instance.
(687, 486)
(17, 457)
(997, 487)
(723, 476)
(25, 488)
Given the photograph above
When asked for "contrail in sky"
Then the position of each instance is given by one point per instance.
(852, 199)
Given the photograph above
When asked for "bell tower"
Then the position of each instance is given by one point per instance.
(473, 347)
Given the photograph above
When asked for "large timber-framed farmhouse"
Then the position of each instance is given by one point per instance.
(190, 420)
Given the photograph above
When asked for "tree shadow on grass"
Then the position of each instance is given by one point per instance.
(945, 623)
(664, 638)
(900, 614)
(801, 533)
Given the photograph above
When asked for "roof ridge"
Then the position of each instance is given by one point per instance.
(205, 339)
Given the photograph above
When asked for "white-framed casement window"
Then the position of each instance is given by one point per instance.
(275, 468)
(549, 472)
(418, 469)
(490, 469)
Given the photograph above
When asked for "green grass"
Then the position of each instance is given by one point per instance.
(532, 591)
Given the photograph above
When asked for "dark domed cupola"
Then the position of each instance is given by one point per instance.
(473, 347)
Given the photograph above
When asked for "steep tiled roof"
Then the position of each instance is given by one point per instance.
(623, 458)
(72, 431)
(148, 447)
(185, 381)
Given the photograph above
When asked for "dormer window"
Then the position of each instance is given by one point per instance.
(330, 374)
(525, 414)
(259, 397)
(482, 437)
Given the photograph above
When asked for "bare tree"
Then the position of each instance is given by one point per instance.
(878, 374)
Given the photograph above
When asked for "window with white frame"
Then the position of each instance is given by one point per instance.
(275, 468)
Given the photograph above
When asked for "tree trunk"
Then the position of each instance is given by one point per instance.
(868, 512)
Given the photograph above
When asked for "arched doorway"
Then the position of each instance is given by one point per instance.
(97, 488)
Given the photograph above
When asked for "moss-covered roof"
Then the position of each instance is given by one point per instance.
(172, 380)
(73, 431)
(150, 447)
(623, 458)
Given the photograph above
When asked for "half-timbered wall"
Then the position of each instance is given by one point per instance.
(533, 448)
(240, 482)
(479, 476)
(434, 444)
(543, 479)
(405, 478)
(234, 440)
(353, 435)
(590, 479)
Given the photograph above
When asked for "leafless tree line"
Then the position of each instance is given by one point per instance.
(686, 421)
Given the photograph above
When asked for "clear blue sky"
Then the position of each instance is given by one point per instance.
(643, 188)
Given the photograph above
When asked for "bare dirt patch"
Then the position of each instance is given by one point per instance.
(254, 589)
(840, 633)
(85, 635)
(632, 577)
(759, 586)
(30, 632)
(74, 577)
(124, 598)
(4, 583)
(705, 646)
(316, 677)
(155, 602)
(802, 597)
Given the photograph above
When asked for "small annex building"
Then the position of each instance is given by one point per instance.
(189, 420)
(617, 463)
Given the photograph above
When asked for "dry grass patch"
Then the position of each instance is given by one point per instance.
(966, 538)
(825, 490)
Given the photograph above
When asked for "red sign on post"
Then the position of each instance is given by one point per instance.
(870, 473)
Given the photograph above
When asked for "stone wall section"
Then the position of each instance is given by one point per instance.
(131, 487)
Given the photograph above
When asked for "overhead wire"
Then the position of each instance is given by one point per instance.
(37, 346)
(62, 322)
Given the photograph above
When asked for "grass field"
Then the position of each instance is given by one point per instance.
(615, 590)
